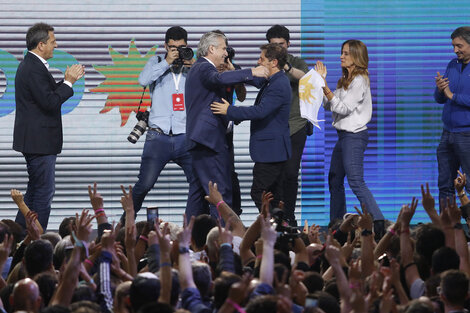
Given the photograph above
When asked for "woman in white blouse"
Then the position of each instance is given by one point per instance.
(351, 107)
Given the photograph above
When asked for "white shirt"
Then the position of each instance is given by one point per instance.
(351, 108)
(210, 62)
(47, 66)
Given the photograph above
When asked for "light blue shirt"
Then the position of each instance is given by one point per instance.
(158, 75)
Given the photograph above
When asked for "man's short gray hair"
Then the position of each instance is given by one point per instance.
(207, 40)
(462, 32)
(213, 239)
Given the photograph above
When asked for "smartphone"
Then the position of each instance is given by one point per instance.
(152, 213)
(311, 303)
(384, 260)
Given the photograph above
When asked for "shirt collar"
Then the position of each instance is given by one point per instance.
(42, 60)
(209, 61)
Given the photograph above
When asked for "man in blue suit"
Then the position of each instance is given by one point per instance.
(270, 145)
(38, 120)
(205, 131)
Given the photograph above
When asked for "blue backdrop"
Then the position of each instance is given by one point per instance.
(408, 42)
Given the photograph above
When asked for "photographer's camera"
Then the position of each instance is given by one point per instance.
(140, 127)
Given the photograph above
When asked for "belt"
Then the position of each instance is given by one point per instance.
(160, 131)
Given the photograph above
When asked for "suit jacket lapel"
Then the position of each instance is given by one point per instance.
(260, 93)
(266, 84)
(41, 65)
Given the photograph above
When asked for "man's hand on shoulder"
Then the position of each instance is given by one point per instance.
(74, 73)
(260, 71)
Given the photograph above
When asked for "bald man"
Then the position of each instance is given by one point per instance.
(25, 296)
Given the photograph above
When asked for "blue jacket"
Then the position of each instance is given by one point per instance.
(456, 112)
(269, 133)
(204, 85)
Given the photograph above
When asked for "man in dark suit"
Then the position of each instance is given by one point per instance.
(205, 131)
(38, 121)
(270, 145)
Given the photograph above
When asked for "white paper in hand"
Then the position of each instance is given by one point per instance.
(311, 96)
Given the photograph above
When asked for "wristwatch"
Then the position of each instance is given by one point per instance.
(289, 67)
(366, 232)
(183, 250)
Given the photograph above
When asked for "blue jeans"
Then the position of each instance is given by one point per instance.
(348, 160)
(41, 187)
(453, 152)
(160, 149)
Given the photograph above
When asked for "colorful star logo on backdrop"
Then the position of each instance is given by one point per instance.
(121, 83)
(9, 65)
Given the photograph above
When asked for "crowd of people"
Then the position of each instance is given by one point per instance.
(222, 265)
(215, 263)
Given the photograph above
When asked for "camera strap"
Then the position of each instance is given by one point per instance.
(142, 98)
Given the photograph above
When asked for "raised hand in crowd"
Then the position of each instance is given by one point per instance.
(165, 263)
(268, 235)
(32, 229)
(429, 205)
(406, 247)
(68, 282)
(96, 199)
(459, 184)
(5, 249)
(225, 235)
(365, 223)
(130, 242)
(17, 197)
(225, 212)
(314, 234)
(184, 263)
(83, 226)
(237, 294)
(128, 205)
(335, 258)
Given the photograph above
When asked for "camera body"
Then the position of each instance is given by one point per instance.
(286, 234)
(140, 127)
(230, 54)
(184, 54)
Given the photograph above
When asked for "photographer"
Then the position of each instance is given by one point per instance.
(165, 140)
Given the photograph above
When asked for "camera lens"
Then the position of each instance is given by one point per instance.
(138, 130)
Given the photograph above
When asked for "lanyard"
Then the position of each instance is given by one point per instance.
(176, 80)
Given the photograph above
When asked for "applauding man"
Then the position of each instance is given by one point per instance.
(38, 120)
